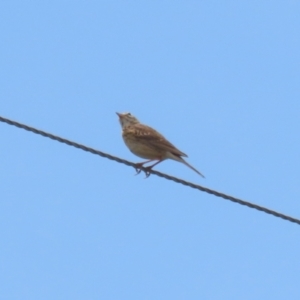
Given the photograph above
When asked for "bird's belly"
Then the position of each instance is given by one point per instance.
(142, 150)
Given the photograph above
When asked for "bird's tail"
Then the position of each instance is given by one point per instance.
(184, 162)
(180, 159)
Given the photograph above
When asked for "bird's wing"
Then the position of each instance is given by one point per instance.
(154, 139)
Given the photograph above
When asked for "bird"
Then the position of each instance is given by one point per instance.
(147, 143)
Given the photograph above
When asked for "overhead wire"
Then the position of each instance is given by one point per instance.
(168, 177)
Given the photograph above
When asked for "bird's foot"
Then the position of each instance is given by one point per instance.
(139, 169)
(147, 171)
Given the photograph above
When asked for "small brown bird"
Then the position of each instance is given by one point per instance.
(147, 143)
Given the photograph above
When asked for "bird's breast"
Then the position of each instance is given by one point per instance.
(140, 147)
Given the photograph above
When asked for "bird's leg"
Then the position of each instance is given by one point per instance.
(139, 165)
(150, 167)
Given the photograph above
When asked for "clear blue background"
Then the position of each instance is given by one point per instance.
(220, 79)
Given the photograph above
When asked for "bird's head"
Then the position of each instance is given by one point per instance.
(127, 119)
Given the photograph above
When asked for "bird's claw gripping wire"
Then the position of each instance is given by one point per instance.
(145, 170)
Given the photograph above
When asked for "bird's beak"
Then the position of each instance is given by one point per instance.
(119, 115)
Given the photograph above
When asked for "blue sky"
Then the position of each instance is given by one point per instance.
(220, 79)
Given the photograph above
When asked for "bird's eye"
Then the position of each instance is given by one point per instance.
(129, 114)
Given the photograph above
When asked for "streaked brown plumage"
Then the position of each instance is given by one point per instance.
(147, 143)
